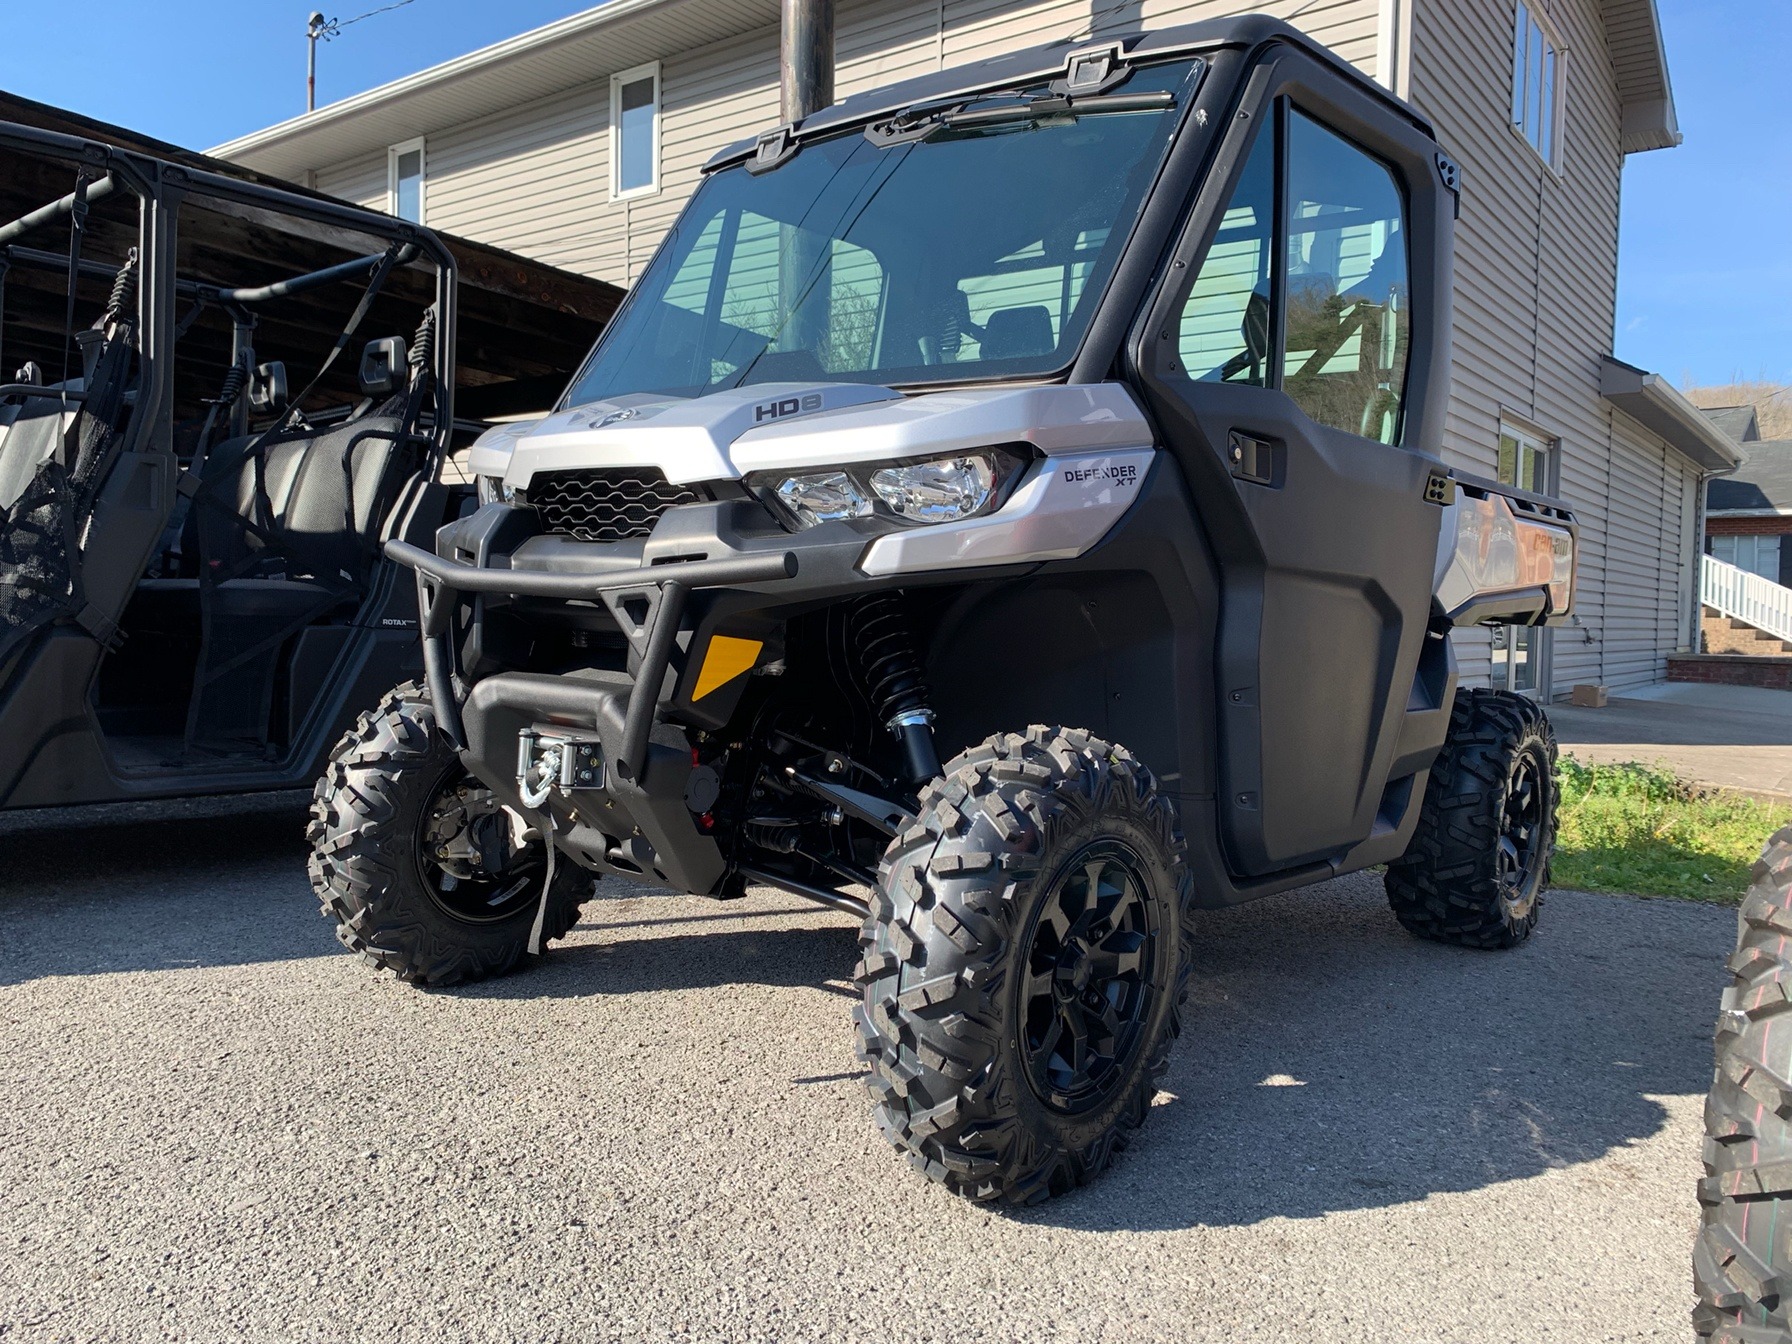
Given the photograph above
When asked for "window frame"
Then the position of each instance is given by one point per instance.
(393, 154)
(618, 82)
(1530, 12)
(1279, 126)
(1540, 441)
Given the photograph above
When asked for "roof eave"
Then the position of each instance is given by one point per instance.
(1653, 402)
(520, 47)
(1644, 88)
(1650, 124)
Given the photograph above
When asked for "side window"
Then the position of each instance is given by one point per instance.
(1322, 258)
(1225, 326)
(1349, 322)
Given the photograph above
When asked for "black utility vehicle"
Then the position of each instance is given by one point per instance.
(1007, 508)
(193, 598)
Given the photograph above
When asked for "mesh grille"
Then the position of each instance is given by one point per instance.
(605, 504)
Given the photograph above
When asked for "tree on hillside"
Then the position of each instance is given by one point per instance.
(1772, 403)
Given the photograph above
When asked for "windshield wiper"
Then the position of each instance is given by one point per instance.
(952, 114)
(1054, 105)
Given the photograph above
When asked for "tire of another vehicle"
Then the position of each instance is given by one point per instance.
(366, 814)
(1478, 864)
(970, 900)
(1741, 1264)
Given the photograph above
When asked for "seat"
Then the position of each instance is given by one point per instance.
(288, 538)
(1018, 333)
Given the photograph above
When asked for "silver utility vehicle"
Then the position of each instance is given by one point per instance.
(1009, 508)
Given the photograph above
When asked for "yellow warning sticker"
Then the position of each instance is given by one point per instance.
(724, 660)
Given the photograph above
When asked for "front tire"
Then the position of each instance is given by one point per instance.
(1478, 864)
(1741, 1263)
(415, 860)
(1024, 966)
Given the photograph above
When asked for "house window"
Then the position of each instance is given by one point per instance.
(1756, 553)
(404, 180)
(1525, 458)
(635, 132)
(1537, 83)
(1338, 278)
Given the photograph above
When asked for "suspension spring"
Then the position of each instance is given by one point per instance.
(884, 643)
(124, 289)
(423, 348)
(232, 386)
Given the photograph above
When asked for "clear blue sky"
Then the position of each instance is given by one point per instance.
(1705, 282)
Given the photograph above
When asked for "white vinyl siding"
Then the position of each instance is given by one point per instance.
(362, 180)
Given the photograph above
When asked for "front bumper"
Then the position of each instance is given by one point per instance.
(442, 581)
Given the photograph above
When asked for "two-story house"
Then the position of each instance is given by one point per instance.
(577, 144)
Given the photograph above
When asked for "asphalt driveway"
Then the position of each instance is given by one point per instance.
(215, 1125)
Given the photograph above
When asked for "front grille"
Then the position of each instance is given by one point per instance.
(605, 503)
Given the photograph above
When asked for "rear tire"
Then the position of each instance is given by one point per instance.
(376, 874)
(1478, 864)
(1024, 966)
(1741, 1263)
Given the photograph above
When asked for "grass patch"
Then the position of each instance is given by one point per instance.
(1639, 829)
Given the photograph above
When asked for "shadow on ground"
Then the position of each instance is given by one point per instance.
(1329, 1061)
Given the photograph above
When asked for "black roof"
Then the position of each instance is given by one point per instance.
(1762, 484)
(1738, 422)
(1242, 30)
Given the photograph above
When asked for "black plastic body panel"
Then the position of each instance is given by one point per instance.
(1326, 567)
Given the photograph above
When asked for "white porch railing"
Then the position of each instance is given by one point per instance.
(1747, 597)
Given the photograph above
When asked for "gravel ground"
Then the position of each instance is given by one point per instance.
(215, 1125)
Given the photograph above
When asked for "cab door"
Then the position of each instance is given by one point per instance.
(1295, 358)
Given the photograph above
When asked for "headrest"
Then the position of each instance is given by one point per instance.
(1012, 333)
(30, 373)
(267, 388)
(383, 368)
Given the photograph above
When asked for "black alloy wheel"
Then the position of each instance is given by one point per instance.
(466, 856)
(1091, 967)
(1523, 827)
(1477, 866)
(415, 861)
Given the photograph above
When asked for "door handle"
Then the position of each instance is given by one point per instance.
(1252, 459)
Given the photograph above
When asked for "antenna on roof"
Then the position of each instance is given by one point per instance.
(319, 29)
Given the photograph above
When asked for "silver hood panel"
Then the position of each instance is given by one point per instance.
(774, 426)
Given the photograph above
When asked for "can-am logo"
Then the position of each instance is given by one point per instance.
(771, 410)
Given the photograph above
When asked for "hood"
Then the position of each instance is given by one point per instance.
(772, 426)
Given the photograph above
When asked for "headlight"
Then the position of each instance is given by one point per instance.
(822, 497)
(941, 491)
(930, 490)
(492, 488)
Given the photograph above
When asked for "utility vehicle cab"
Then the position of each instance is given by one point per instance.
(1009, 507)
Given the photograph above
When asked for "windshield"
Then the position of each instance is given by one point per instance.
(976, 248)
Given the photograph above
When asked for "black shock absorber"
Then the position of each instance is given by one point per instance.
(232, 386)
(124, 290)
(885, 647)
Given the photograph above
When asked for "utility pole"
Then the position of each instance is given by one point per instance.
(808, 58)
(317, 29)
